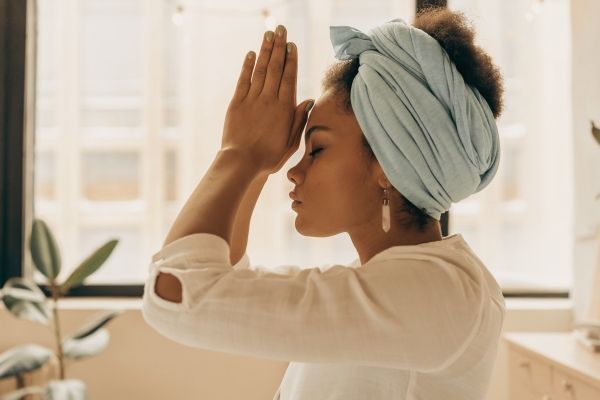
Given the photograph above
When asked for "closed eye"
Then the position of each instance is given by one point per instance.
(312, 153)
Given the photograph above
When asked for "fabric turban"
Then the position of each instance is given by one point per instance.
(434, 136)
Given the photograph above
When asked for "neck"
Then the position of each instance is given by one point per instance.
(370, 243)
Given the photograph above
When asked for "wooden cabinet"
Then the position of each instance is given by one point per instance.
(551, 366)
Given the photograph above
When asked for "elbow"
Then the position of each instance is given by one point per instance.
(168, 287)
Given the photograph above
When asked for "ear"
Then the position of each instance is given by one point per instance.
(379, 175)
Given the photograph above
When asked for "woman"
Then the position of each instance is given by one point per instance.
(404, 127)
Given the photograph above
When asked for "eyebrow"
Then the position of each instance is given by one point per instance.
(314, 128)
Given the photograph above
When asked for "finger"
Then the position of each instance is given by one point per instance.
(276, 63)
(287, 88)
(243, 84)
(258, 77)
(300, 119)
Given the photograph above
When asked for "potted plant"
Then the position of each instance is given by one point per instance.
(24, 299)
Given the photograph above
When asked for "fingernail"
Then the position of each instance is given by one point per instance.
(269, 36)
(290, 47)
(309, 105)
(280, 30)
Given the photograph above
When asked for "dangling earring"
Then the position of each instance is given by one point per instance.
(385, 212)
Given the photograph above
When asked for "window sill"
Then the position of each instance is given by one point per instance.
(100, 303)
(532, 304)
(513, 303)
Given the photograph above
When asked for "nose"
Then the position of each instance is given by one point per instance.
(293, 174)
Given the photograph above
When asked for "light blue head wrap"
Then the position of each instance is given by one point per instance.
(434, 136)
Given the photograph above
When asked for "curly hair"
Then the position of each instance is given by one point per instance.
(455, 34)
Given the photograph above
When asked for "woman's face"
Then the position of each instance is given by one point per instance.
(339, 185)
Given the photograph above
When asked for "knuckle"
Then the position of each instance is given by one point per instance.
(276, 67)
(262, 101)
(287, 79)
(260, 70)
(278, 63)
(265, 50)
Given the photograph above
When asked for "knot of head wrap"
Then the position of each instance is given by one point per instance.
(434, 136)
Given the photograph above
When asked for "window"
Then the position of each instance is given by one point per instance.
(130, 101)
(521, 223)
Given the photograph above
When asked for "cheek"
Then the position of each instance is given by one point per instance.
(346, 186)
(328, 174)
(338, 176)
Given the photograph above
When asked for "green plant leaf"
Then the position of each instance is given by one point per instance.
(23, 358)
(88, 346)
(23, 294)
(95, 324)
(595, 132)
(20, 393)
(66, 389)
(24, 299)
(44, 251)
(91, 338)
(88, 266)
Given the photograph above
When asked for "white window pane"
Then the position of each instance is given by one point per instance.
(111, 47)
(110, 176)
(46, 66)
(170, 176)
(509, 170)
(513, 252)
(111, 62)
(523, 223)
(172, 70)
(96, 115)
(45, 176)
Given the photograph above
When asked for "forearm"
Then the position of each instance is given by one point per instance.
(213, 205)
(231, 183)
(241, 225)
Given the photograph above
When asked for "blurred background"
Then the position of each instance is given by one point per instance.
(131, 97)
(125, 111)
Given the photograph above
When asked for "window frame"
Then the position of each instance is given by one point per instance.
(13, 47)
(17, 27)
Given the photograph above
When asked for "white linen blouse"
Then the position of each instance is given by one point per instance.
(414, 322)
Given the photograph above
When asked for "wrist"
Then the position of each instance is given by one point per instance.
(242, 160)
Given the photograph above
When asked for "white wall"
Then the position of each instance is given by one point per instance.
(141, 364)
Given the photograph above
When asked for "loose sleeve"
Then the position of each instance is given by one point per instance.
(397, 313)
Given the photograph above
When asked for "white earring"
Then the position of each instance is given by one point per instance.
(385, 212)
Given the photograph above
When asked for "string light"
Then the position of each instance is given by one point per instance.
(270, 21)
(535, 9)
(177, 16)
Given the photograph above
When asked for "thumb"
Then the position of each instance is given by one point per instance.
(300, 118)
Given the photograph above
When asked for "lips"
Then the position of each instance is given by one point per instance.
(294, 197)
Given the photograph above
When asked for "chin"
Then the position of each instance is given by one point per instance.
(313, 231)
